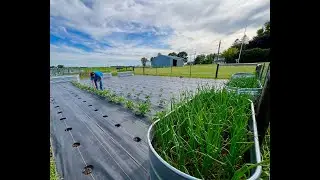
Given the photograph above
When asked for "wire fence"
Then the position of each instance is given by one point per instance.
(65, 71)
(218, 71)
(84, 71)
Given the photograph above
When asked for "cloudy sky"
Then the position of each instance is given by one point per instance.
(120, 32)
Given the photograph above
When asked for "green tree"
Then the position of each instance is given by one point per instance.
(237, 43)
(262, 40)
(200, 59)
(144, 61)
(60, 66)
(183, 55)
(172, 54)
(267, 27)
(209, 59)
(230, 54)
(260, 32)
(255, 55)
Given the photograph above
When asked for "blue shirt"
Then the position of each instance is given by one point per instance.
(98, 75)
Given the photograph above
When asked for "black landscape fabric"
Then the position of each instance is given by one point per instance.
(88, 131)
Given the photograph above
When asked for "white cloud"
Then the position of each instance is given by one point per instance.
(195, 24)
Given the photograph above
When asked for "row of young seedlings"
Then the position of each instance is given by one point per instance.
(139, 108)
(135, 93)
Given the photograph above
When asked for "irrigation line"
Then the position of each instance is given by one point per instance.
(91, 174)
(111, 139)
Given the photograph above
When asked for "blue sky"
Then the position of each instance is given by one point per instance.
(108, 32)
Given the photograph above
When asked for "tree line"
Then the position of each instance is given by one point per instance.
(255, 50)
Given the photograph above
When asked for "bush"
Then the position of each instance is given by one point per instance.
(255, 55)
(251, 56)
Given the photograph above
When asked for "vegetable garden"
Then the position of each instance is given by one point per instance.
(201, 128)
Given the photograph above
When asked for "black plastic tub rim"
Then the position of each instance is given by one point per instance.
(254, 176)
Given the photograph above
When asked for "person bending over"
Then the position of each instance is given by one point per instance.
(95, 78)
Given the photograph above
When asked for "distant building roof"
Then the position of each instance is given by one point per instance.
(174, 57)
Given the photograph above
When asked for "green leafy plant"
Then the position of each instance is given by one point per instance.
(120, 100)
(112, 98)
(53, 171)
(129, 104)
(143, 108)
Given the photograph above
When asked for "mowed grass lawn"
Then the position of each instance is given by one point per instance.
(197, 71)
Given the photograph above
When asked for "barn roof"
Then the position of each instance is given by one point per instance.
(174, 57)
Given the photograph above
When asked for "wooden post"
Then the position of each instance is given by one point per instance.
(171, 70)
(143, 69)
(156, 71)
(263, 110)
(190, 70)
(258, 70)
(262, 71)
(217, 70)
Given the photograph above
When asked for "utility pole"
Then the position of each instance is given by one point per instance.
(238, 60)
(218, 51)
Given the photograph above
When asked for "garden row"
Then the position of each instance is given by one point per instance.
(159, 91)
(140, 108)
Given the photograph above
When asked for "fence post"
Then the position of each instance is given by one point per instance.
(190, 70)
(171, 70)
(143, 69)
(263, 109)
(262, 71)
(217, 70)
(258, 70)
(156, 71)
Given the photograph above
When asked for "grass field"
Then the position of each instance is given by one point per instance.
(197, 71)
(113, 70)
